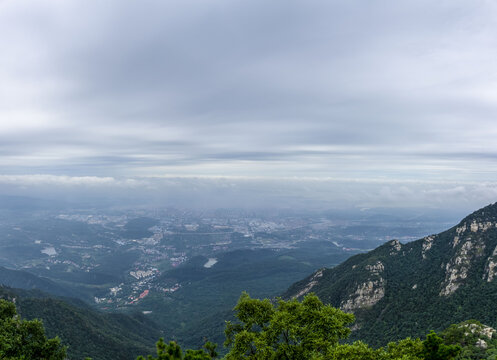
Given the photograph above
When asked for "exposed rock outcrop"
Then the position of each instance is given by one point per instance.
(481, 226)
(482, 344)
(432, 278)
(480, 330)
(312, 282)
(396, 247)
(456, 271)
(427, 244)
(367, 293)
(375, 269)
(491, 267)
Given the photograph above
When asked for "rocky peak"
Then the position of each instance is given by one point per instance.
(396, 246)
(480, 220)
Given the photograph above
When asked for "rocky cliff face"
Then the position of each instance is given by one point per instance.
(428, 283)
(367, 293)
(312, 282)
(491, 267)
(470, 242)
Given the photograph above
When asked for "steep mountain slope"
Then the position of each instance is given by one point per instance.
(400, 290)
(85, 331)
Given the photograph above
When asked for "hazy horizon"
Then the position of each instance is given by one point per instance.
(248, 103)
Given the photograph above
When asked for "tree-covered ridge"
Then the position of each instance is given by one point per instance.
(400, 290)
(291, 330)
(85, 331)
(309, 329)
(23, 339)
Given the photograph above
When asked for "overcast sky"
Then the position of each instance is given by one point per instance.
(391, 102)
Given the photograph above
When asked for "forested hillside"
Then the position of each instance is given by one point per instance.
(400, 290)
(85, 331)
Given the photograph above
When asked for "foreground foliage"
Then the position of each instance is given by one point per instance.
(85, 331)
(289, 330)
(22, 339)
(294, 330)
(172, 351)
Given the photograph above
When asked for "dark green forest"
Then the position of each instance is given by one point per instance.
(265, 329)
(83, 330)
(414, 278)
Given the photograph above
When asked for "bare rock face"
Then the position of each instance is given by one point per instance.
(427, 244)
(491, 267)
(369, 292)
(375, 269)
(459, 230)
(475, 226)
(482, 344)
(456, 270)
(481, 226)
(482, 331)
(312, 282)
(396, 247)
(366, 295)
(479, 329)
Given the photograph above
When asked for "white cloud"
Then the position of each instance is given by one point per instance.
(295, 193)
(66, 181)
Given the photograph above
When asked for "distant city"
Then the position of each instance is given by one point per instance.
(114, 258)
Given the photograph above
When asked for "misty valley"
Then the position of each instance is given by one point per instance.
(183, 270)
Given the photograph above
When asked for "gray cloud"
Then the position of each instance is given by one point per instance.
(282, 89)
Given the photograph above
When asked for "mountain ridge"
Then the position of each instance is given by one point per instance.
(86, 331)
(399, 290)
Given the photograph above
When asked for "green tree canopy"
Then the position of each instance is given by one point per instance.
(287, 330)
(172, 351)
(22, 339)
(434, 348)
(293, 330)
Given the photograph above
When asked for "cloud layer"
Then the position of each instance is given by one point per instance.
(254, 89)
(284, 193)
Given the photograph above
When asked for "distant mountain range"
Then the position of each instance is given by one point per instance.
(400, 290)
